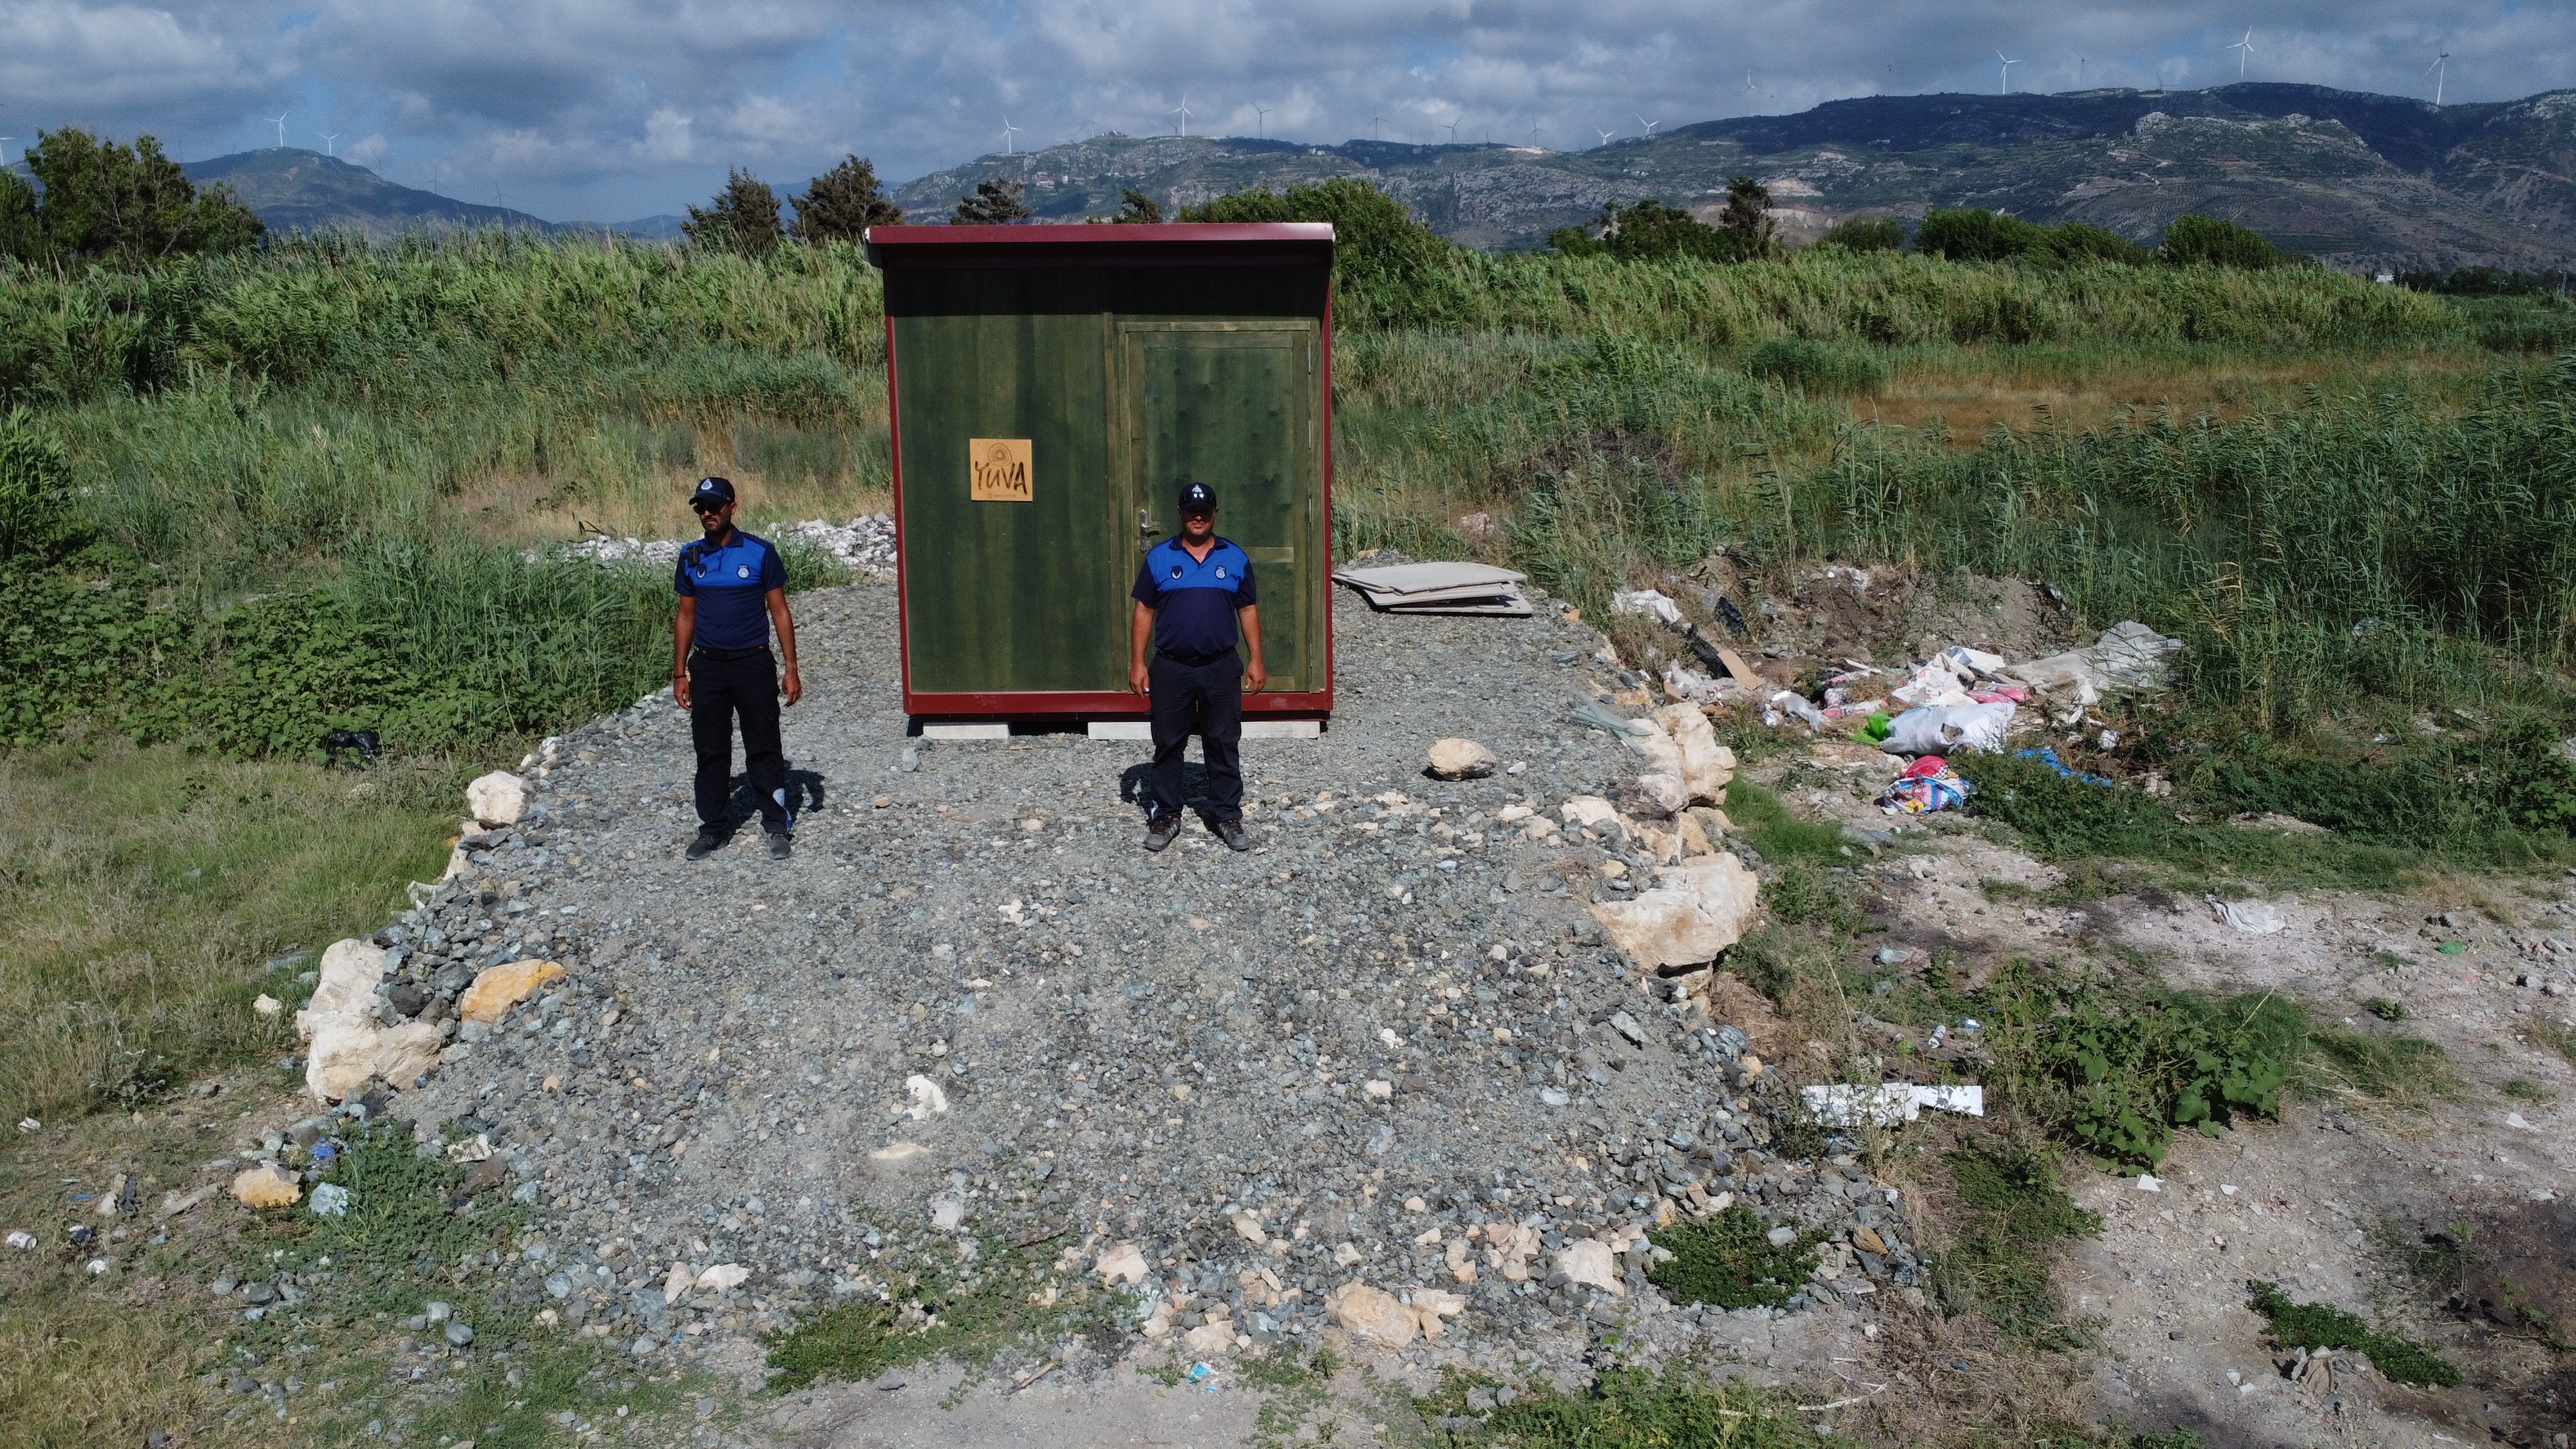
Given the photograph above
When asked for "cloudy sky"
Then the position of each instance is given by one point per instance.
(611, 109)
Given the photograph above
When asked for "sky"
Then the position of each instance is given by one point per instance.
(609, 110)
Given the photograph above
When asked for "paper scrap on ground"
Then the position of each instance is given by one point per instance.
(1846, 1105)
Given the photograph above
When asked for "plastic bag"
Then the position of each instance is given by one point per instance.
(1947, 729)
(1647, 601)
(1914, 794)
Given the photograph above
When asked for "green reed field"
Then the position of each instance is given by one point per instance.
(271, 496)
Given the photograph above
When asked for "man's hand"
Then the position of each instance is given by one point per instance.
(1255, 677)
(1139, 679)
(680, 688)
(795, 686)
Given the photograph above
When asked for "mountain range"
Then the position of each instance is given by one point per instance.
(2356, 180)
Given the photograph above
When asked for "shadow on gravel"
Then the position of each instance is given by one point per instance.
(1136, 787)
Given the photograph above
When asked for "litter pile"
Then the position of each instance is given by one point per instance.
(864, 545)
(1439, 588)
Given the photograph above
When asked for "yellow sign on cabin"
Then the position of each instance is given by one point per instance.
(997, 470)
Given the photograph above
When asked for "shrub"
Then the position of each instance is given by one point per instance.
(742, 218)
(995, 201)
(1816, 367)
(1972, 234)
(35, 487)
(2196, 240)
(1865, 234)
(128, 206)
(842, 203)
(1728, 1259)
(1397, 271)
(2321, 1326)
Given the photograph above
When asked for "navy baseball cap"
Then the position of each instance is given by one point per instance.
(718, 491)
(1197, 495)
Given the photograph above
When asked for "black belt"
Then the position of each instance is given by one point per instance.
(1196, 661)
(729, 654)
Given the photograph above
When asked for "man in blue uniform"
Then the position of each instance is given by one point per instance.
(1192, 596)
(733, 587)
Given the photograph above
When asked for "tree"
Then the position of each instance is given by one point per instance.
(1137, 209)
(842, 203)
(742, 218)
(997, 202)
(1974, 234)
(1870, 234)
(2196, 240)
(1747, 218)
(128, 205)
(1394, 270)
(1648, 231)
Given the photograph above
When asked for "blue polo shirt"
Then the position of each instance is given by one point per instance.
(731, 585)
(1194, 599)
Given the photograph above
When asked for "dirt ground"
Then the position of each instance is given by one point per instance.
(2334, 1202)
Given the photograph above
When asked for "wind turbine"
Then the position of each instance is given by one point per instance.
(1262, 113)
(1007, 130)
(2440, 70)
(2008, 65)
(1374, 119)
(1649, 125)
(1605, 135)
(1183, 111)
(279, 120)
(331, 143)
(2079, 72)
(2243, 48)
(1453, 133)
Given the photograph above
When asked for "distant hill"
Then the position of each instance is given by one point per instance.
(298, 191)
(2356, 180)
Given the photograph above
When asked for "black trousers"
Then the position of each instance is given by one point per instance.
(719, 691)
(1204, 700)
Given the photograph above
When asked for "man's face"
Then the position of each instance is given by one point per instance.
(713, 516)
(1197, 524)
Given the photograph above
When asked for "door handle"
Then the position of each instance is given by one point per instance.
(1145, 523)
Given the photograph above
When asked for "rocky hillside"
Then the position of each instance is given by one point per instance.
(2357, 180)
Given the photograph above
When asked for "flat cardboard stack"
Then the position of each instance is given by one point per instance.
(1439, 588)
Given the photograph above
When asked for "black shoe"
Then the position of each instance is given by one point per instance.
(710, 839)
(1160, 830)
(1231, 832)
(778, 845)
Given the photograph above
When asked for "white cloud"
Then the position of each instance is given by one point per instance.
(612, 107)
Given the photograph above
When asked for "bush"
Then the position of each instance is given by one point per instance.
(1865, 234)
(1395, 271)
(2321, 1326)
(2205, 241)
(35, 487)
(129, 206)
(1728, 1259)
(742, 218)
(1816, 367)
(1972, 234)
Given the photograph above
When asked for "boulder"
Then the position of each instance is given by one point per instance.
(347, 1050)
(1430, 1305)
(1211, 1338)
(1459, 759)
(497, 799)
(1591, 1262)
(349, 973)
(1122, 1263)
(1371, 1315)
(1589, 811)
(1696, 910)
(1707, 767)
(1692, 835)
(1661, 789)
(266, 1186)
(498, 988)
(1712, 823)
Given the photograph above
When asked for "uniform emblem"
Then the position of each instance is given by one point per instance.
(742, 571)
(1220, 571)
(1176, 571)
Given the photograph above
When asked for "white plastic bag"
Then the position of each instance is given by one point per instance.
(1647, 601)
(1948, 729)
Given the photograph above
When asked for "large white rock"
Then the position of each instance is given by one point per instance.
(1121, 1263)
(1696, 910)
(1372, 1315)
(349, 974)
(1661, 789)
(499, 798)
(1459, 759)
(1590, 1261)
(1707, 767)
(347, 1050)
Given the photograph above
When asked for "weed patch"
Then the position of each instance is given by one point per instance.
(1623, 1408)
(2524, 1089)
(972, 1312)
(2385, 1009)
(1728, 1259)
(2012, 1216)
(1776, 832)
(2315, 1326)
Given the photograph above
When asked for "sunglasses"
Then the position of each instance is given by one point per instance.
(702, 507)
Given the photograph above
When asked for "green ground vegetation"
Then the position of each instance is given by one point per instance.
(1622, 1408)
(2011, 1217)
(2321, 1326)
(1727, 1259)
(970, 1312)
